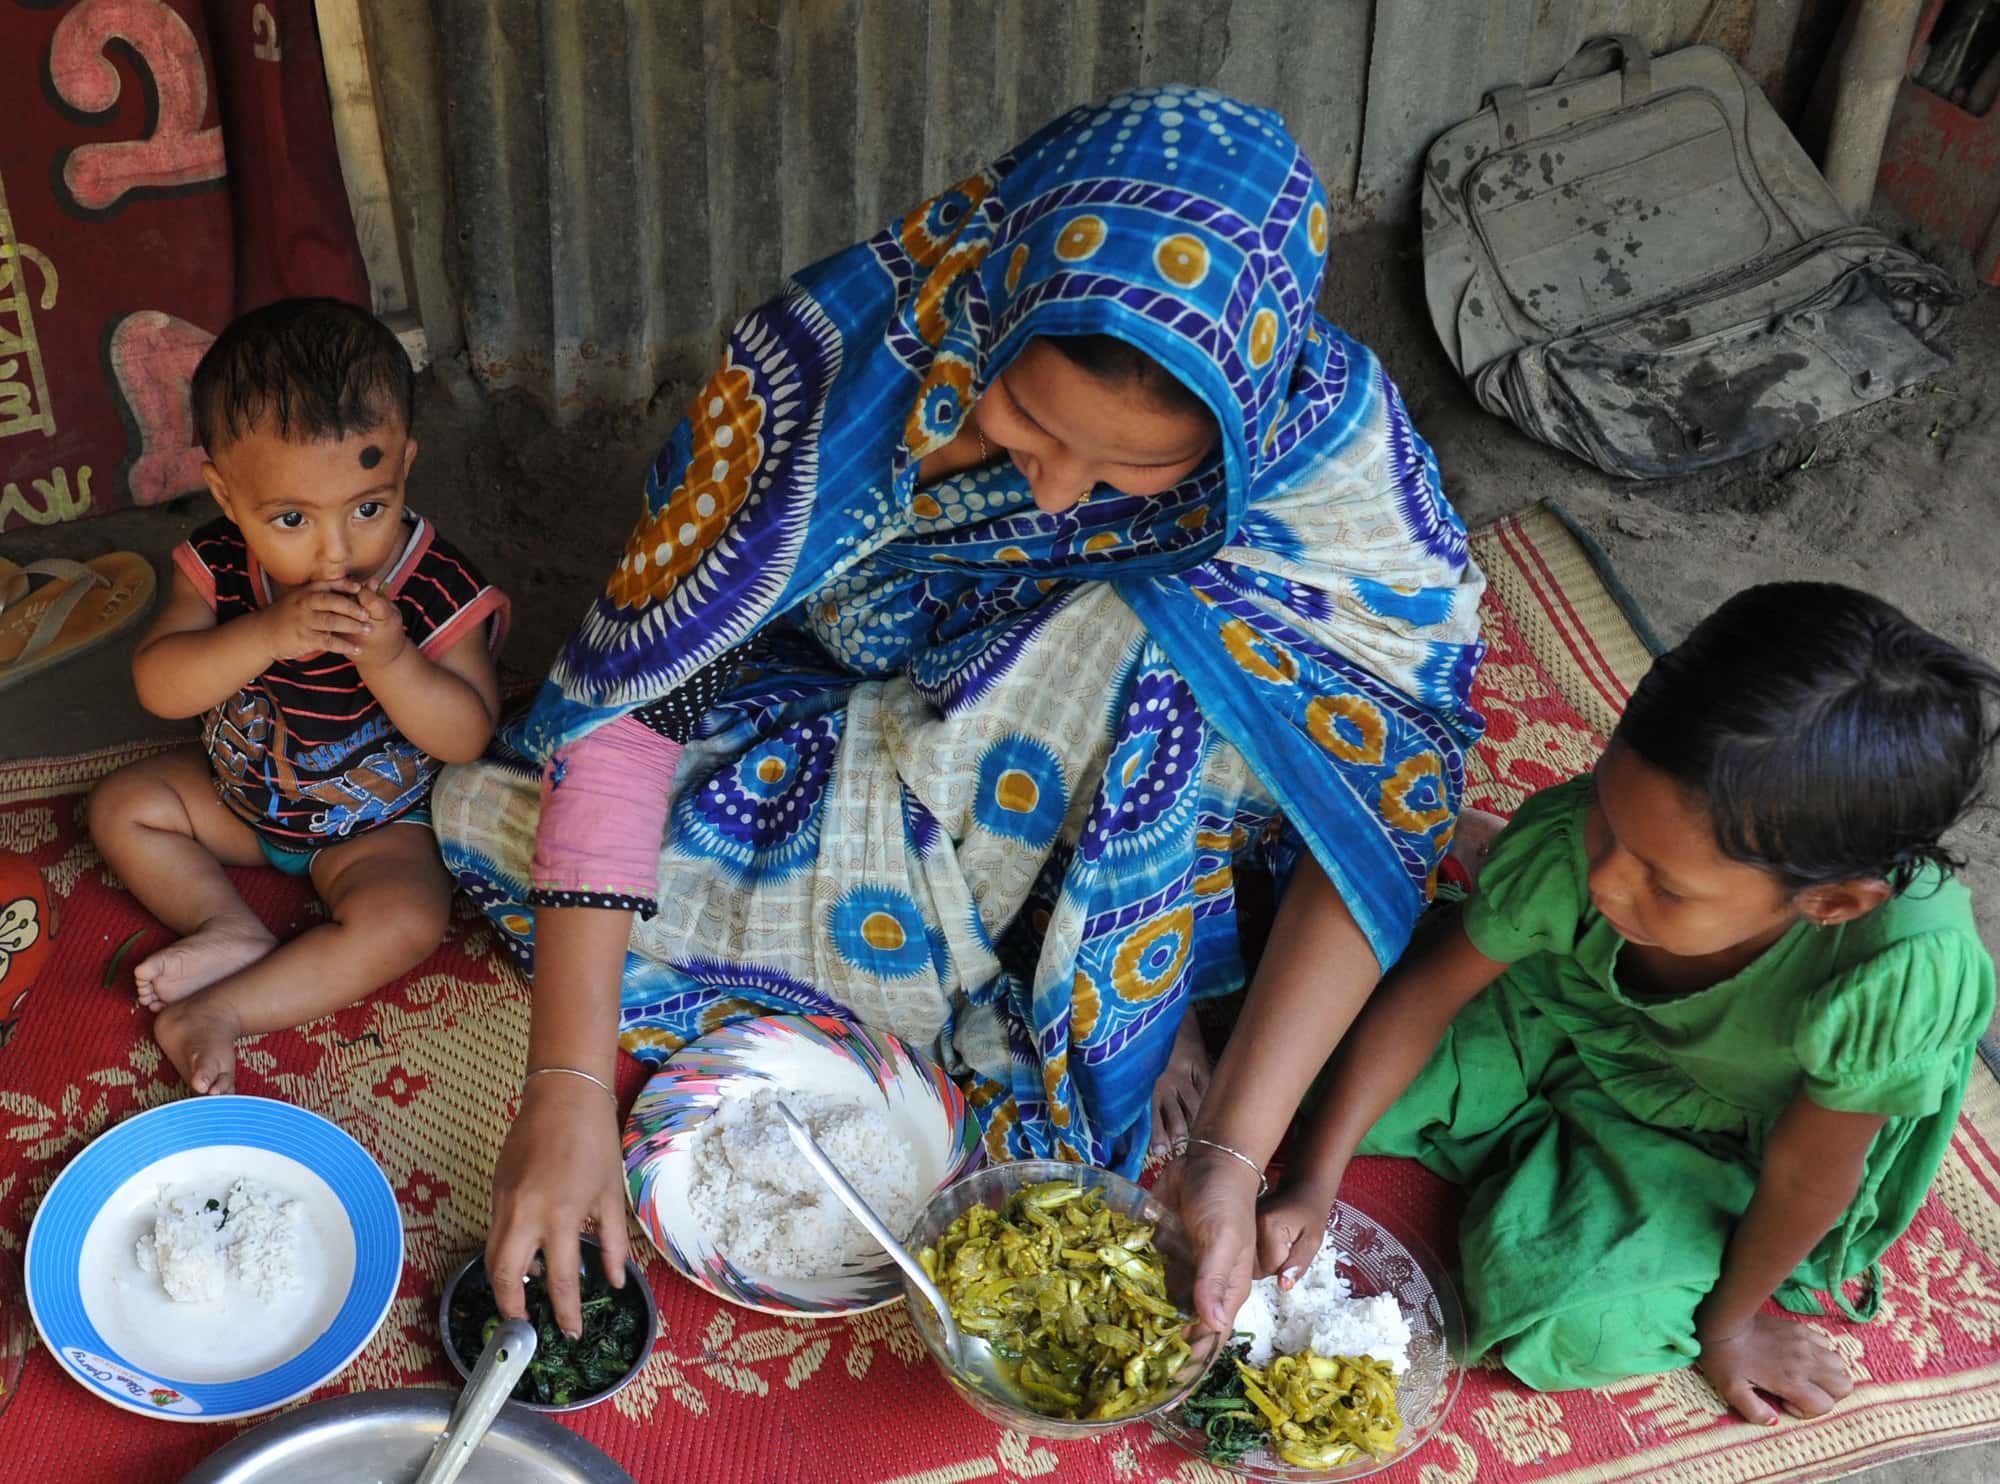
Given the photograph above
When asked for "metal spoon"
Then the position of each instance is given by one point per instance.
(501, 1363)
(865, 1214)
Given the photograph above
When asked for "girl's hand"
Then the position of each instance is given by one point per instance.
(317, 617)
(1216, 1197)
(1290, 1227)
(1781, 1356)
(561, 1165)
(384, 641)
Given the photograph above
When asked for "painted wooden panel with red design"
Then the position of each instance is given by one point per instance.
(150, 148)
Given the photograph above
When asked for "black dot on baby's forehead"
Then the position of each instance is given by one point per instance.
(370, 456)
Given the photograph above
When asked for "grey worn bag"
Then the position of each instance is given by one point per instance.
(1643, 267)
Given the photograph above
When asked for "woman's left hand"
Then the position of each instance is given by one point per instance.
(1216, 1197)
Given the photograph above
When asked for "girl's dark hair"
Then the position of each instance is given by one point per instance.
(315, 368)
(1832, 738)
(1110, 359)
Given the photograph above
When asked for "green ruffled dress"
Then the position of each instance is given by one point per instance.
(1609, 1141)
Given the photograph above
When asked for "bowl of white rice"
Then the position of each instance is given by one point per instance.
(213, 1258)
(725, 1196)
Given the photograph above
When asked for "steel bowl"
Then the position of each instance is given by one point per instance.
(473, 1271)
(388, 1435)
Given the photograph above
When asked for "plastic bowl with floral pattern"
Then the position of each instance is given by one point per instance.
(797, 1054)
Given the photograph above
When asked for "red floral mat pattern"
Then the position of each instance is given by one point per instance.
(423, 1074)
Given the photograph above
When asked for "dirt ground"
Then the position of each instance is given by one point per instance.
(1897, 499)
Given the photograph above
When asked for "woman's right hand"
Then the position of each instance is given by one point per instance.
(1216, 1197)
(561, 1167)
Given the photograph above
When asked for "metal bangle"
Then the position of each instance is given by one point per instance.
(1263, 1185)
(572, 1072)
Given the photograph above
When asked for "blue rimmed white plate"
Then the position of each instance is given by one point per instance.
(796, 1053)
(112, 1326)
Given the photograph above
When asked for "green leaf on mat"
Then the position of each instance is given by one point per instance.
(111, 969)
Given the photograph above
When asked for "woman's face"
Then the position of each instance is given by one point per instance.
(1068, 430)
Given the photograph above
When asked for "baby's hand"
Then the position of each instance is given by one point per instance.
(1781, 1356)
(1290, 1226)
(319, 616)
(385, 639)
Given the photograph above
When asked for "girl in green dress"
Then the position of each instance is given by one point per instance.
(1700, 1036)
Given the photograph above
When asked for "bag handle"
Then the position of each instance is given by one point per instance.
(1619, 46)
(1510, 105)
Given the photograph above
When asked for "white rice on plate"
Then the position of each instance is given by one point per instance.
(1320, 1313)
(202, 1238)
(764, 1207)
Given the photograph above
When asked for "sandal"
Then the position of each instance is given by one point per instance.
(80, 606)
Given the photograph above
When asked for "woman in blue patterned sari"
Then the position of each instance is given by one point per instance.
(1026, 578)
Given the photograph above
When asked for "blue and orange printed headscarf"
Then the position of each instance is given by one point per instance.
(1310, 581)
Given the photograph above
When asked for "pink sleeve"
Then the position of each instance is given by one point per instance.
(604, 813)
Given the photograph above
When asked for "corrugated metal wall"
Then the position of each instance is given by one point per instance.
(621, 178)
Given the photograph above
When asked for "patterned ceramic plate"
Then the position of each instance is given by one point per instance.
(1379, 1255)
(112, 1326)
(799, 1053)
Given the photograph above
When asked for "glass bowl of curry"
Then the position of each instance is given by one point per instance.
(1078, 1282)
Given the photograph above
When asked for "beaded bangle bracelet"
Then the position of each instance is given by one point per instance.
(1263, 1185)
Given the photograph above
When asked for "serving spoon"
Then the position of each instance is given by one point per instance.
(971, 1357)
(501, 1364)
(864, 1213)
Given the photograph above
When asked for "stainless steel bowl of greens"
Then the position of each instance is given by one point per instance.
(619, 1328)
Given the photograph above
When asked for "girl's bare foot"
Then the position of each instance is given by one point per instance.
(215, 950)
(1177, 1095)
(199, 1038)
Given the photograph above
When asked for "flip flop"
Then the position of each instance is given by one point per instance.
(82, 605)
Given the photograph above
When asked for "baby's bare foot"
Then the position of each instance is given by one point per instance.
(215, 950)
(199, 1037)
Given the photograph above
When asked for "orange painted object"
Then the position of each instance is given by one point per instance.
(1941, 166)
(27, 928)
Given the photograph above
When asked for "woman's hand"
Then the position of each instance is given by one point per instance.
(1290, 1227)
(1216, 1197)
(1781, 1356)
(560, 1167)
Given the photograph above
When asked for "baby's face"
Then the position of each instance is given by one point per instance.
(328, 511)
(1657, 874)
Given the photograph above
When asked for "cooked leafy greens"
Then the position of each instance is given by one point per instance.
(1071, 1295)
(563, 1370)
(1234, 1428)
